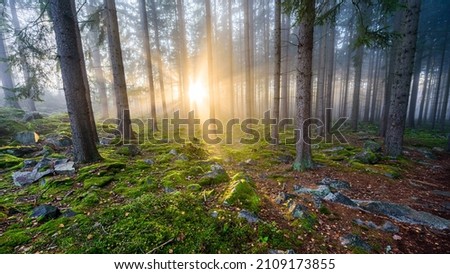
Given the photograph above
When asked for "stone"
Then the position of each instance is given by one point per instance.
(20, 151)
(214, 214)
(69, 213)
(405, 214)
(250, 162)
(276, 251)
(173, 152)
(368, 224)
(243, 194)
(24, 178)
(46, 212)
(32, 116)
(183, 157)
(57, 140)
(438, 149)
(367, 157)
(149, 161)
(194, 187)
(355, 241)
(283, 197)
(372, 145)
(65, 168)
(321, 191)
(215, 176)
(29, 164)
(441, 193)
(339, 198)
(27, 137)
(333, 149)
(389, 227)
(297, 210)
(334, 183)
(248, 216)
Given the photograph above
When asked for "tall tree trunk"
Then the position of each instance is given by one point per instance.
(212, 103)
(120, 86)
(374, 104)
(348, 66)
(277, 70)
(445, 102)
(230, 60)
(319, 111)
(159, 57)
(434, 109)
(184, 68)
(330, 73)
(249, 84)
(7, 82)
(425, 85)
(284, 103)
(370, 77)
(148, 61)
(404, 63)
(358, 60)
(303, 159)
(100, 81)
(68, 44)
(266, 57)
(23, 62)
(415, 88)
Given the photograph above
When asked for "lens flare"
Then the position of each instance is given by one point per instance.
(197, 93)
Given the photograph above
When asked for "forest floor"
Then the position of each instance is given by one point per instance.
(166, 197)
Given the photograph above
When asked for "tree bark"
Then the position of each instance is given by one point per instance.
(120, 87)
(358, 60)
(404, 63)
(249, 84)
(277, 70)
(231, 59)
(68, 46)
(212, 103)
(184, 68)
(159, 58)
(148, 61)
(7, 82)
(284, 103)
(303, 159)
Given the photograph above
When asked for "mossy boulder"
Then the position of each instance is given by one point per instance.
(242, 193)
(194, 187)
(372, 145)
(128, 150)
(172, 179)
(217, 175)
(367, 156)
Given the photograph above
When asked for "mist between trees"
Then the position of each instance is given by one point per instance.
(233, 131)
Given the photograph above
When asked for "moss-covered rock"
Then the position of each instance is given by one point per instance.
(128, 150)
(194, 187)
(215, 176)
(13, 238)
(243, 194)
(99, 181)
(372, 145)
(367, 156)
(173, 179)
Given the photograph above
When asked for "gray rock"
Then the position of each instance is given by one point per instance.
(216, 175)
(57, 140)
(65, 168)
(248, 216)
(321, 191)
(405, 214)
(389, 227)
(283, 197)
(149, 161)
(32, 116)
(367, 157)
(368, 224)
(173, 152)
(372, 145)
(29, 164)
(339, 198)
(427, 153)
(24, 178)
(183, 157)
(441, 193)
(46, 212)
(27, 137)
(438, 149)
(334, 183)
(250, 162)
(353, 240)
(129, 150)
(214, 214)
(297, 210)
(276, 251)
(20, 151)
(69, 213)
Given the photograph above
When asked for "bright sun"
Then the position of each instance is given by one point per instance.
(197, 93)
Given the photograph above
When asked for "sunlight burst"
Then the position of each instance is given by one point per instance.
(197, 93)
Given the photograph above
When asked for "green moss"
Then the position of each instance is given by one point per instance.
(306, 223)
(324, 210)
(13, 238)
(241, 193)
(194, 187)
(100, 169)
(172, 179)
(90, 200)
(7, 161)
(99, 181)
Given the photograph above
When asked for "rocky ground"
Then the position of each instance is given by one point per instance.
(165, 197)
